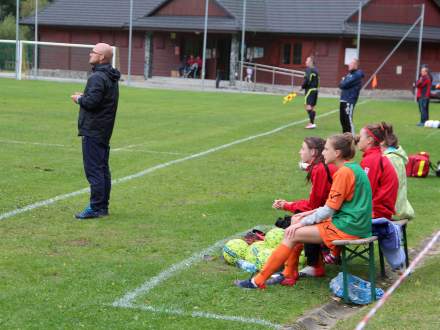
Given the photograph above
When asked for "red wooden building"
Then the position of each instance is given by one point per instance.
(279, 33)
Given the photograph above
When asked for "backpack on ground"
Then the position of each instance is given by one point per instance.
(418, 165)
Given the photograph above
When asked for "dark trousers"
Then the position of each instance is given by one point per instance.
(424, 109)
(312, 251)
(95, 160)
(346, 117)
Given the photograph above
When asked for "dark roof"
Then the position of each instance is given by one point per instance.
(393, 31)
(86, 13)
(270, 16)
(186, 23)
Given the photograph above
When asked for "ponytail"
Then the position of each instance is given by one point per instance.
(345, 143)
(315, 143)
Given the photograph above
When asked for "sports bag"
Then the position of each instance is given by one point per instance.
(418, 165)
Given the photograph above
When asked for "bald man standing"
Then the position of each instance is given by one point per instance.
(97, 113)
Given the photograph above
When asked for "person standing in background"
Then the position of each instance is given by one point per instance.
(350, 87)
(310, 86)
(423, 85)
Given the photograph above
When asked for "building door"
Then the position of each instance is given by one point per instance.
(223, 56)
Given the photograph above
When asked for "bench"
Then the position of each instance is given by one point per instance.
(359, 250)
(403, 224)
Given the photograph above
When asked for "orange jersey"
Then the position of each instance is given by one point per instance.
(342, 188)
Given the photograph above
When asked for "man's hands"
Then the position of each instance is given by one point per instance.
(76, 96)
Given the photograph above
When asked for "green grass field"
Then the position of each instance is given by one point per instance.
(59, 273)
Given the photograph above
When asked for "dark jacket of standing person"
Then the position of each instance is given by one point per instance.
(311, 79)
(99, 103)
(351, 85)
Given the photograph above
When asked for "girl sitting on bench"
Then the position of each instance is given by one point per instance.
(319, 175)
(345, 216)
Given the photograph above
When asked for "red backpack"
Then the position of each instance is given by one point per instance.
(418, 165)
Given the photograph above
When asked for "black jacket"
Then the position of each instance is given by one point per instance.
(311, 79)
(99, 103)
(351, 85)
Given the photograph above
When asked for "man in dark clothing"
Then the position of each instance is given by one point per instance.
(423, 92)
(350, 87)
(310, 86)
(98, 105)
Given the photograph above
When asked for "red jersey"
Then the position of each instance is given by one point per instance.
(321, 184)
(423, 87)
(383, 180)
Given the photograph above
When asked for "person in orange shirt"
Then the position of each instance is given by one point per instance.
(345, 216)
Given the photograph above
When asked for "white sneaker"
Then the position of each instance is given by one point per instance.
(310, 271)
(311, 126)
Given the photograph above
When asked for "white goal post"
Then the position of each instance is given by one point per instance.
(48, 50)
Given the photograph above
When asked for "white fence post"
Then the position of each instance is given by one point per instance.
(20, 59)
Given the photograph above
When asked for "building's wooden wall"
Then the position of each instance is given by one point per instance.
(328, 52)
(190, 8)
(325, 50)
(373, 52)
(77, 59)
(399, 12)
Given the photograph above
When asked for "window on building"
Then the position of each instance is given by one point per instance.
(254, 52)
(259, 52)
(286, 53)
(297, 53)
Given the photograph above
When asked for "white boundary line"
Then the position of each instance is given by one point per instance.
(432, 133)
(150, 151)
(126, 148)
(208, 316)
(361, 325)
(32, 143)
(160, 166)
(127, 300)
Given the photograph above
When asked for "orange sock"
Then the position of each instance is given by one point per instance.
(291, 266)
(275, 261)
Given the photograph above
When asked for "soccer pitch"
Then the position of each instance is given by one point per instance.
(190, 170)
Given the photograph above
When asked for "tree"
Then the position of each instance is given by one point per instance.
(7, 7)
(7, 17)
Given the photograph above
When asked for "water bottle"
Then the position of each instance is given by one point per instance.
(246, 266)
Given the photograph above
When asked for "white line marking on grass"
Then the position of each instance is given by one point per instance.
(32, 143)
(148, 151)
(160, 166)
(432, 133)
(128, 147)
(127, 299)
(207, 316)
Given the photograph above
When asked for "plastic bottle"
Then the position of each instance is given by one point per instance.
(246, 266)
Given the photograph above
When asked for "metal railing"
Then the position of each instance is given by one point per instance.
(271, 74)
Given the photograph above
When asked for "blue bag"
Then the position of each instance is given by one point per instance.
(359, 290)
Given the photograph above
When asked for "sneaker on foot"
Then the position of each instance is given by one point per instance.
(329, 258)
(311, 126)
(276, 278)
(248, 284)
(89, 213)
(310, 271)
(421, 124)
(289, 281)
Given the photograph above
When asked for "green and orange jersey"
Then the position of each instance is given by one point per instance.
(350, 195)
